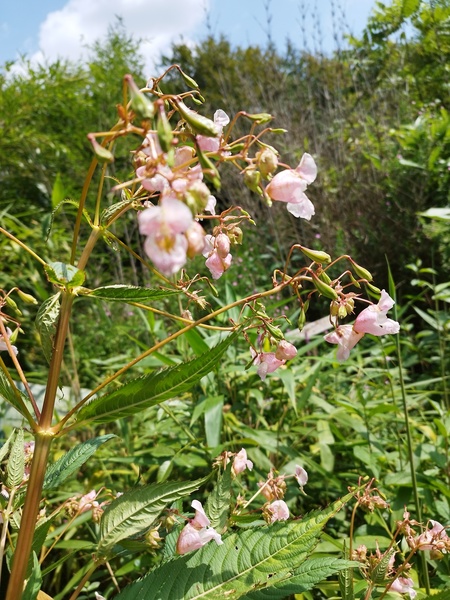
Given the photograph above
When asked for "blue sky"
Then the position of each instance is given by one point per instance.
(51, 28)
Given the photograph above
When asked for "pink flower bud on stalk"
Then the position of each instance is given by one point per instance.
(285, 351)
(267, 161)
(197, 532)
(301, 476)
(241, 462)
(371, 320)
(289, 186)
(217, 252)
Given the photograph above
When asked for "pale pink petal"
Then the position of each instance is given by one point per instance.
(211, 205)
(307, 168)
(285, 351)
(209, 245)
(200, 520)
(285, 185)
(301, 475)
(221, 118)
(241, 462)
(208, 144)
(304, 209)
(168, 261)
(346, 338)
(385, 302)
(404, 585)
(279, 511)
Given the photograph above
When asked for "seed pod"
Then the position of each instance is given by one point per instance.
(199, 124)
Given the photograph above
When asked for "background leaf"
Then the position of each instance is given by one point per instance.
(46, 320)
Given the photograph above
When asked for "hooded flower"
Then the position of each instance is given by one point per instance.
(217, 251)
(241, 462)
(212, 144)
(197, 532)
(166, 244)
(373, 319)
(301, 476)
(267, 362)
(289, 186)
(285, 351)
(404, 585)
(277, 511)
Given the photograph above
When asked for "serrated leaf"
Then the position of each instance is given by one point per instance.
(34, 582)
(346, 584)
(130, 293)
(310, 573)
(72, 461)
(7, 393)
(58, 192)
(5, 448)
(149, 390)
(245, 563)
(378, 574)
(213, 420)
(46, 321)
(135, 511)
(218, 503)
(56, 209)
(15, 466)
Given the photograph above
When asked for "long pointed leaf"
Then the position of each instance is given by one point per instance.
(130, 293)
(153, 389)
(253, 560)
(72, 461)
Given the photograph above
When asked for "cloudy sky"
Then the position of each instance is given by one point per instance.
(49, 29)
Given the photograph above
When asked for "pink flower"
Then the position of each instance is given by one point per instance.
(3, 345)
(404, 585)
(197, 532)
(212, 144)
(217, 250)
(285, 351)
(289, 186)
(241, 462)
(301, 475)
(346, 338)
(435, 538)
(88, 501)
(278, 510)
(373, 319)
(267, 362)
(166, 244)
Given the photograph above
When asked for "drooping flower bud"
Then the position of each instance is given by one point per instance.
(103, 155)
(252, 179)
(285, 351)
(267, 162)
(222, 245)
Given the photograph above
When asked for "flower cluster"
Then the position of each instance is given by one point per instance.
(434, 539)
(268, 362)
(274, 489)
(372, 319)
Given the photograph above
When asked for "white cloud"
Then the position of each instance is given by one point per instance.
(65, 32)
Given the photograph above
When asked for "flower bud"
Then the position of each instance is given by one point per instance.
(235, 234)
(267, 162)
(316, 255)
(153, 539)
(195, 236)
(28, 298)
(301, 319)
(324, 289)
(191, 82)
(362, 272)
(259, 118)
(141, 105)
(252, 178)
(199, 124)
(103, 155)
(197, 196)
(222, 245)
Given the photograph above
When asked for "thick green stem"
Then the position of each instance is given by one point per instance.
(43, 439)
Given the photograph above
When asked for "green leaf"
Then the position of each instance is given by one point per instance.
(58, 192)
(62, 274)
(218, 502)
(135, 511)
(5, 448)
(153, 389)
(34, 582)
(114, 210)
(15, 466)
(46, 321)
(213, 420)
(130, 293)
(71, 462)
(246, 563)
(346, 584)
(7, 393)
(409, 7)
(310, 573)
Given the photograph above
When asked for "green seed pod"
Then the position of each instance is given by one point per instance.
(259, 118)
(316, 255)
(142, 106)
(103, 155)
(324, 289)
(199, 124)
(28, 298)
(163, 129)
(323, 276)
(362, 272)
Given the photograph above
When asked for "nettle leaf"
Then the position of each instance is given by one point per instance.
(249, 562)
(15, 466)
(46, 321)
(8, 393)
(310, 573)
(218, 503)
(72, 461)
(149, 390)
(34, 582)
(135, 511)
(130, 293)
